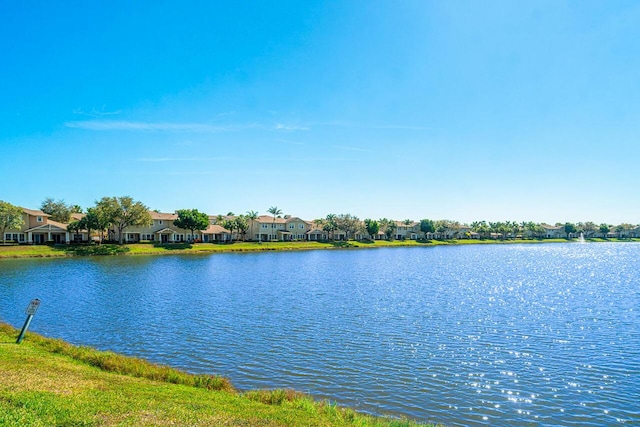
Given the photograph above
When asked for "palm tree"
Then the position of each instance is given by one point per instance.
(407, 222)
(252, 216)
(273, 210)
(230, 224)
(241, 225)
(330, 225)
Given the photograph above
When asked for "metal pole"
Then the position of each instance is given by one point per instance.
(24, 328)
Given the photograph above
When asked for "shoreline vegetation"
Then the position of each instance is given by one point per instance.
(72, 250)
(47, 381)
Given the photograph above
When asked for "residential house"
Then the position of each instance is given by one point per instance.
(296, 229)
(267, 228)
(554, 231)
(38, 228)
(465, 232)
(407, 231)
(315, 234)
(163, 230)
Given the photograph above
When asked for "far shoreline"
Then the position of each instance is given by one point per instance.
(110, 249)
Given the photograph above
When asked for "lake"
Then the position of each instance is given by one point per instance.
(527, 334)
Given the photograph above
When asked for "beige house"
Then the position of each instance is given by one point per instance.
(407, 231)
(465, 232)
(215, 233)
(315, 234)
(163, 230)
(297, 229)
(38, 228)
(267, 228)
(553, 231)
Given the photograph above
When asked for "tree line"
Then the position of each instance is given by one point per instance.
(120, 213)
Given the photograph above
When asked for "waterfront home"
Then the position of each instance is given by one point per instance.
(267, 228)
(215, 233)
(465, 232)
(409, 230)
(553, 231)
(38, 228)
(315, 234)
(297, 229)
(163, 230)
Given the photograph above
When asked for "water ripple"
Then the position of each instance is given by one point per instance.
(484, 335)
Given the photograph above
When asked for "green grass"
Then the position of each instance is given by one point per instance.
(47, 382)
(34, 251)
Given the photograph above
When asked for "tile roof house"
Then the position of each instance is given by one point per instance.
(38, 228)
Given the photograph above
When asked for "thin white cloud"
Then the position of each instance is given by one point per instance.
(118, 125)
(125, 125)
(365, 126)
(289, 128)
(96, 113)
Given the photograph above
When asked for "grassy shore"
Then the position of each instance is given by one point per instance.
(42, 251)
(47, 382)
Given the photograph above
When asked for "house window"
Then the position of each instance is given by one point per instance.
(22, 237)
(7, 236)
(264, 225)
(301, 226)
(292, 226)
(39, 219)
(160, 222)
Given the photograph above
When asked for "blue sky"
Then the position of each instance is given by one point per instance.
(458, 110)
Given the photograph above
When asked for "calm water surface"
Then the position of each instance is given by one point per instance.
(476, 335)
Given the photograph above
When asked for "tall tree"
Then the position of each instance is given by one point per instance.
(515, 229)
(441, 228)
(372, 226)
(604, 229)
(348, 223)
(57, 210)
(10, 217)
(388, 227)
(532, 229)
(330, 225)
(589, 229)
(191, 219)
(230, 224)
(570, 228)
(273, 210)
(427, 226)
(252, 216)
(124, 212)
(242, 225)
(97, 219)
(623, 230)
(74, 227)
